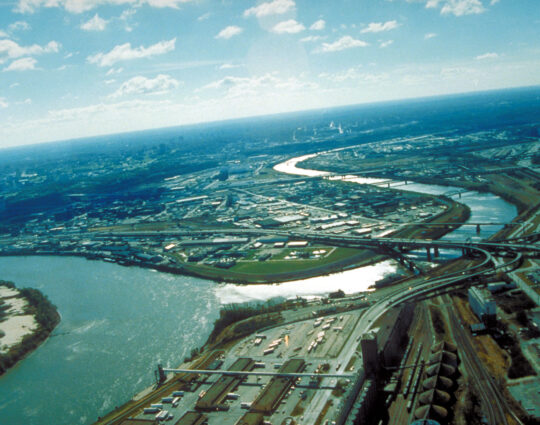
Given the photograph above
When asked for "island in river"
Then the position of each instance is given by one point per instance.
(27, 318)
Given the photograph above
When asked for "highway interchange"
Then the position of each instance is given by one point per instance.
(417, 288)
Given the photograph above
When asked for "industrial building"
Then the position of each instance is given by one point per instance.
(482, 304)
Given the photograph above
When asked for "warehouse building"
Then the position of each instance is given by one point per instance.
(482, 304)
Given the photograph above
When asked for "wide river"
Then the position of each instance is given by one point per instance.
(119, 322)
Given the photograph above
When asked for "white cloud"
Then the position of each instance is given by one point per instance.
(345, 42)
(26, 101)
(3, 34)
(463, 7)
(288, 27)
(125, 17)
(384, 44)
(79, 6)
(457, 7)
(230, 66)
(94, 24)
(380, 26)
(275, 7)
(114, 71)
(23, 64)
(487, 56)
(432, 4)
(128, 13)
(19, 26)
(356, 75)
(494, 2)
(142, 85)
(3, 102)
(11, 49)
(124, 52)
(203, 17)
(318, 25)
(238, 87)
(110, 109)
(310, 38)
(229, 32)
(429, 35)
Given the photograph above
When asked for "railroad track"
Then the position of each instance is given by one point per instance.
(492, 401)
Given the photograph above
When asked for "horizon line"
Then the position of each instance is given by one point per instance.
(270, 115)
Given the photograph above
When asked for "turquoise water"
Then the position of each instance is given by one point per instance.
(117, 324)
(485, 208)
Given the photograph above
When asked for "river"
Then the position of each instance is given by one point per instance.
(119, 322)
(485, 207)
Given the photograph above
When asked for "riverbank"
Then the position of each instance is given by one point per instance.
(257, 272)
(27, 318)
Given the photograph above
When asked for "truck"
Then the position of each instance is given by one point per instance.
(157, 406)
(163, 415)
(175, 401)
(245, 405)
(148, 410)
(232, 396)
(178, 393)
(167, 400)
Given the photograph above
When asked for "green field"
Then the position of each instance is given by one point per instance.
(282, 270)
(279, 265)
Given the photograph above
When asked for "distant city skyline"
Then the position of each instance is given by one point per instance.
(78, 68)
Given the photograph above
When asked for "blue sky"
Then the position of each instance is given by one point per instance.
(75, 68)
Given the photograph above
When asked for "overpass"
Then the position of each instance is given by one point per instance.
(347, 240)
(455, 192)
(272, 374)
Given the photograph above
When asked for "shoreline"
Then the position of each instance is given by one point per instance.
(36, 304)
(365, 257)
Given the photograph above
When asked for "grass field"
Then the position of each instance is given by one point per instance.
(280, 265)
(284, 270)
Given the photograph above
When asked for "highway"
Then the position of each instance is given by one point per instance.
(271, 374)
(406, 292)
(333, 238)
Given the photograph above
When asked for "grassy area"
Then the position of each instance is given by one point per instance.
(279, 265)
(496, 359)
(350, 363)
(323, 413)
(282, 270)
(298, 409)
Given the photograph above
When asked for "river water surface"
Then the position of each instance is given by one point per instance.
(117, 324)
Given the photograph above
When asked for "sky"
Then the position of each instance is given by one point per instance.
(78, 68)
